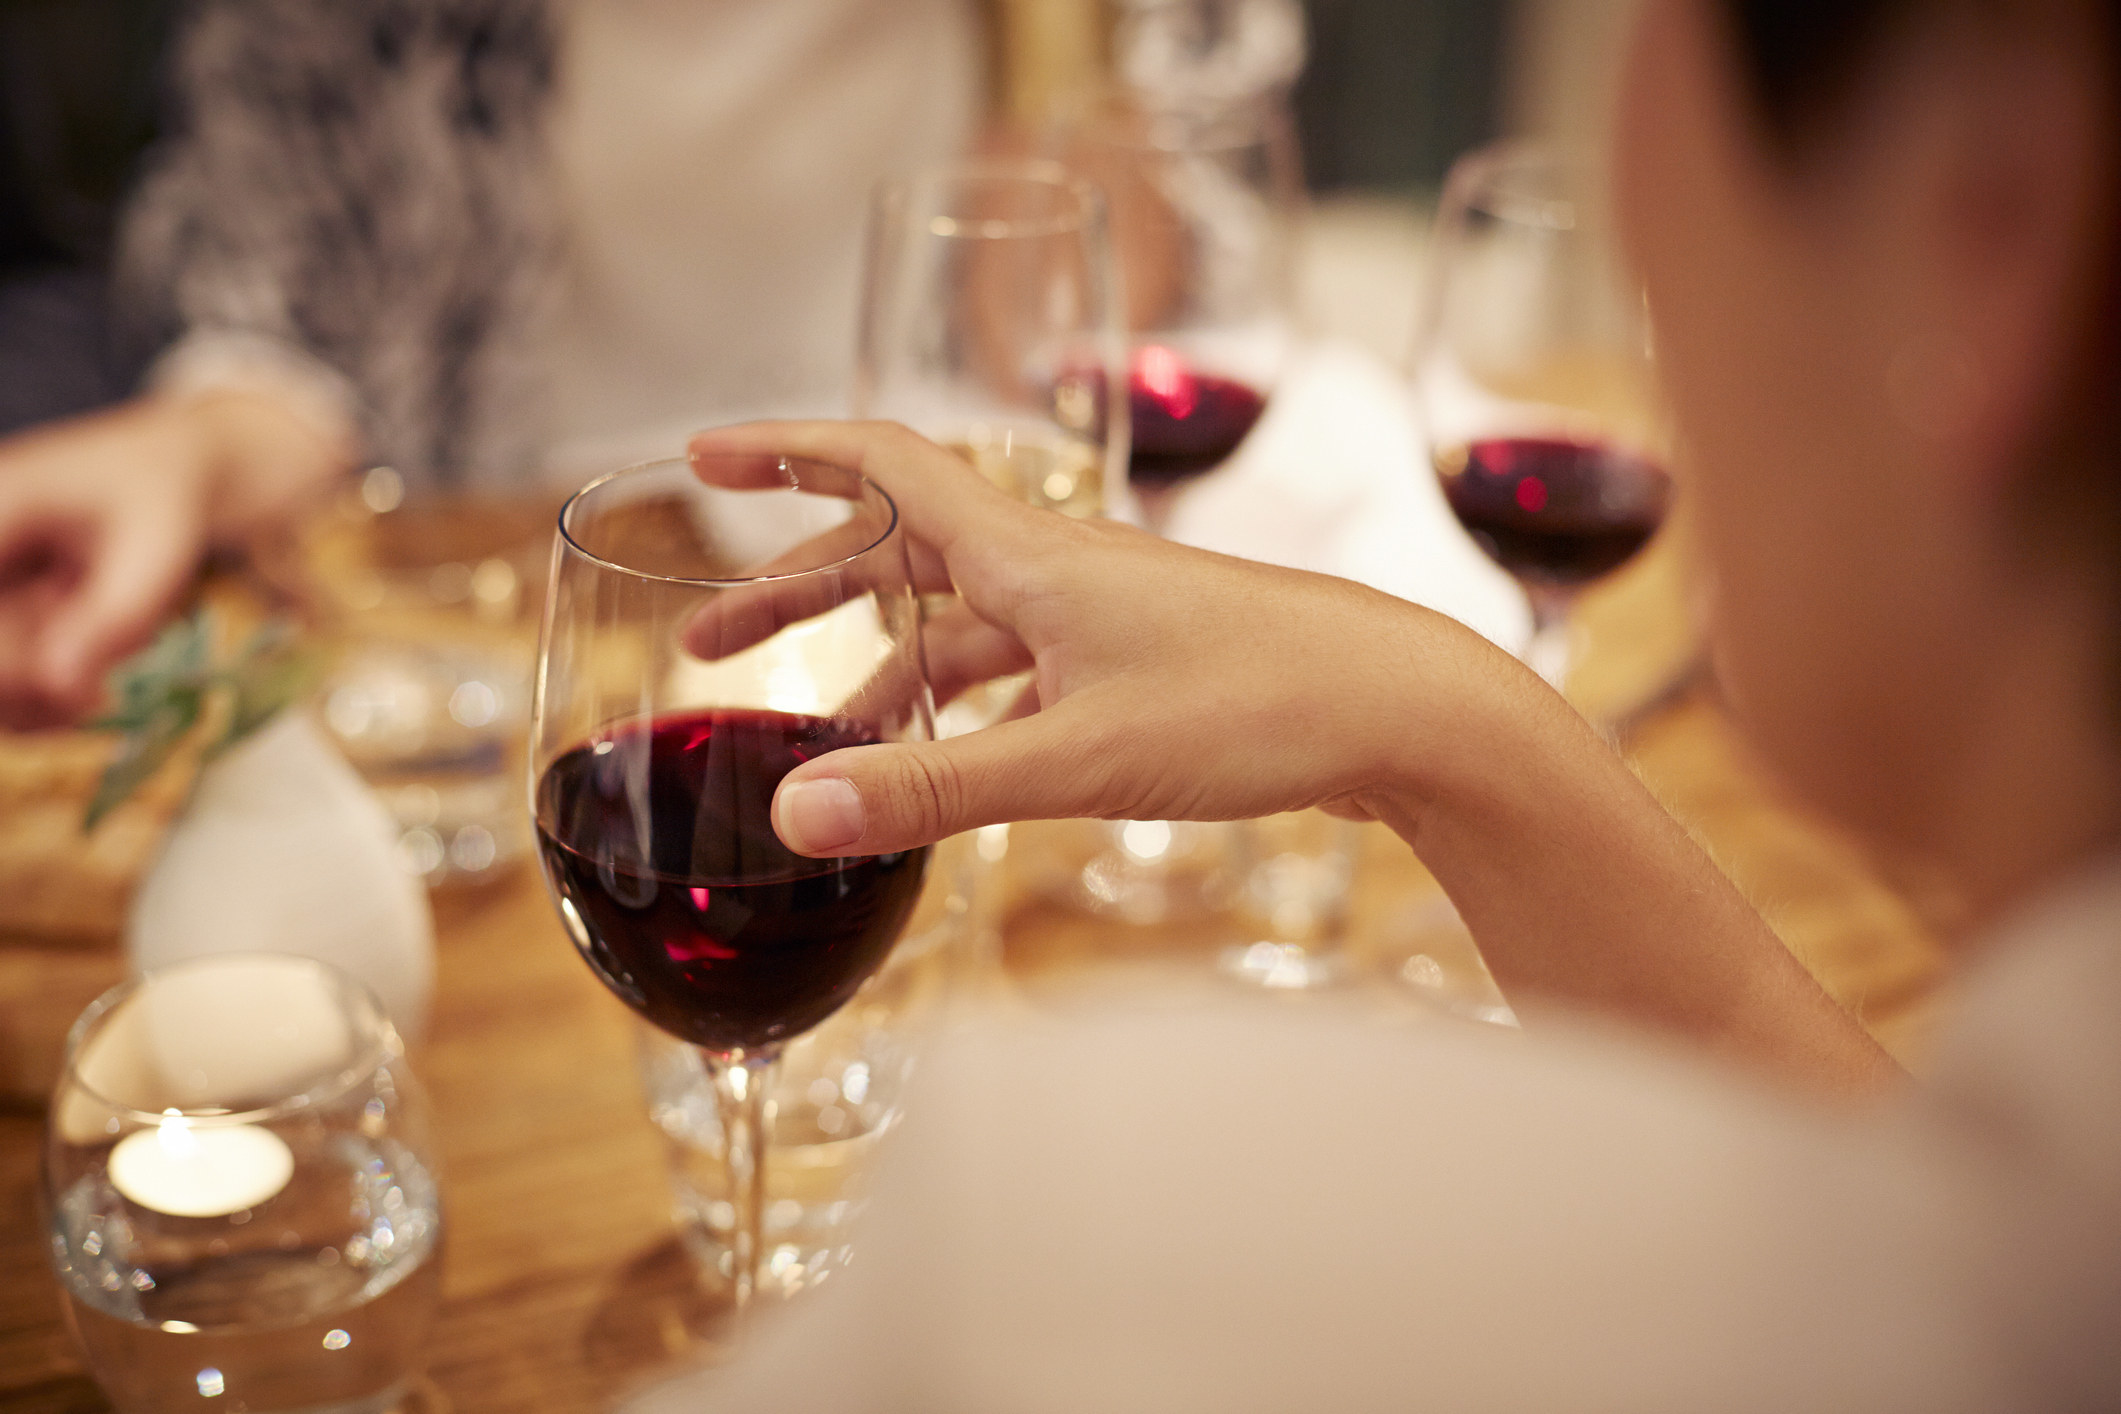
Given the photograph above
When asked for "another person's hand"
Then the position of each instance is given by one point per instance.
(105, 518)
(1171, 683)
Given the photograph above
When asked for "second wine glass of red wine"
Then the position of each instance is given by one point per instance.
(707, 630)
(1535, 381)
(1204, 200)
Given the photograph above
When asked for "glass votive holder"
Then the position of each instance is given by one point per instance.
(1294, 876)
(242, 1206)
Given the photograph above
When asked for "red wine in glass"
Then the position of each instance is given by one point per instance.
(1185, 422)
(1554, 511)
(682, 898)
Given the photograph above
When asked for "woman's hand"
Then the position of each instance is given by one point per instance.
(104, 519)
(1171, 684)
(1177, 685)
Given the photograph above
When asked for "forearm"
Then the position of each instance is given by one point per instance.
(1580, 888)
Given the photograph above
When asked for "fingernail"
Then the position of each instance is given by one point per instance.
(821, 815)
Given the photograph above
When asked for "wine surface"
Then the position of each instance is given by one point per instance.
(1052, 471)
(1184, 422)
(657, 839)
(1554, 511)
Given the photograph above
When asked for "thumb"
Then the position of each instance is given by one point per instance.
(880, 799)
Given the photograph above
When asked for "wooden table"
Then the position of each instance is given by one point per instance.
(563, 1284)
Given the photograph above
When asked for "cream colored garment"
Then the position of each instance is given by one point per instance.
(1222, 1204)
(714, 162)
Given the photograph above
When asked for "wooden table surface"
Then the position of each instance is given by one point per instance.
(563, 1285)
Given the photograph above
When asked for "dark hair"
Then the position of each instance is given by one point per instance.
(1802, 57)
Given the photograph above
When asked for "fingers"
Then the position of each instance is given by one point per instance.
(964, 650)
(880, 799)
(139, 559)
(943, 503)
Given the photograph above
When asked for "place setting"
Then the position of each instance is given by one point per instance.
(1163, 740)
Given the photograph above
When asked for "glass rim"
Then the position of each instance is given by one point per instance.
(1478, 183)
(379, 1049)
(567, 536)
(1024, 171)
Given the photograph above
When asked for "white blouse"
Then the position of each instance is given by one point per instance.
(1215, 1203)
(714, 160)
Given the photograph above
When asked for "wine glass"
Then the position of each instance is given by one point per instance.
(702, 638)
(1204, 196)
(241, 1193)
(990, 324)
(1535, 381)
(1204, 199)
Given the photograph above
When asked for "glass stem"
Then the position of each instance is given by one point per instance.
(743, 1088)
(1548, 652)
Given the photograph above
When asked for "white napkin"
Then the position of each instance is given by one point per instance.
(285, 850)
(1335, 479)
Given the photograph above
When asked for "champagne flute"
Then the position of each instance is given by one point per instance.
(702, 638)
(1535, 382)
(990, 324)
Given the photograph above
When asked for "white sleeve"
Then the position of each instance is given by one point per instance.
(1233, 1207)
(206, 359)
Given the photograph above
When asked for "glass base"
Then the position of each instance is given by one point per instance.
(804, 1244)
(1282, 967)
(1439, 964)
(833, 1104)
(1154, 871)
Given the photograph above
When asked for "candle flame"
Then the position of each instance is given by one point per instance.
(175, 1135)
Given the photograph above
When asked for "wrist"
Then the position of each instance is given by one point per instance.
(260, 461)
(1479, 748)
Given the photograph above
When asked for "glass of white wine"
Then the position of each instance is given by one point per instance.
(990, 323)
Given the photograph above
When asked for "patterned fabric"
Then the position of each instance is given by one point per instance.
(363, 180)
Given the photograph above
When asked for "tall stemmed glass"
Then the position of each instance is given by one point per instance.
(1204, 203)
(1204, 198)
(991, 324)
(702, 638)
(1534, 378)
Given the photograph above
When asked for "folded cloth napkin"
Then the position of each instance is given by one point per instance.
(1336, 479)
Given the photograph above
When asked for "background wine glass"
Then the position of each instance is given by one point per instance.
(1204, 202)
(1204, 197)
(990, 324)
(700, 641)
(1535, 382)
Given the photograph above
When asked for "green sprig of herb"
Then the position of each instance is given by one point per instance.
(160, 694)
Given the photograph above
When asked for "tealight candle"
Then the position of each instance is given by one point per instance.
(200, 1171)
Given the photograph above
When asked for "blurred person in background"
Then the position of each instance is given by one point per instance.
(1882, 245)
(485, 242)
